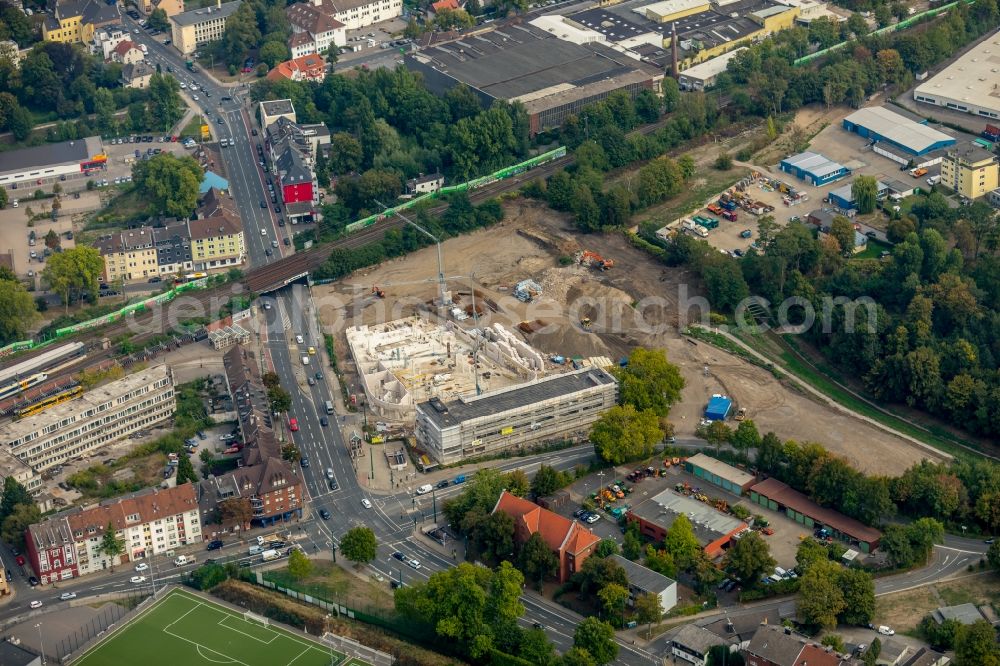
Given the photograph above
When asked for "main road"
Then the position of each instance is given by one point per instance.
(231, 119)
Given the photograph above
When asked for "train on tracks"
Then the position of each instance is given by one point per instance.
(50, 401)
(28, 370)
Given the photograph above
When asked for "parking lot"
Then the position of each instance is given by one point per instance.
(122, 154)
(783, 543)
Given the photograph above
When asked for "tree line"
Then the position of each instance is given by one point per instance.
(62, 82)
(763, 79)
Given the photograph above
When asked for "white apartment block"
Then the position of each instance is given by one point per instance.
(355, 14)
(99, 417)
(148, 523)
(108, 37)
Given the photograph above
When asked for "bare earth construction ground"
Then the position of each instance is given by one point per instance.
(634, 303)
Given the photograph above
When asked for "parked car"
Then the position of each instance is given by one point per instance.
(414, 563)
(399, 556)
(32, 581)
(214, 545)
(35, 604)
(365, 502)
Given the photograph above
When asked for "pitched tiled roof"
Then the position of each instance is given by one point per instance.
(293, 168)
(557, 532)
(146, 506)
(137, 70)
(445, 4)
(126, 241)
(310, 65)
(312, 19)
(124, 47)
(222, 223)
(214, 201)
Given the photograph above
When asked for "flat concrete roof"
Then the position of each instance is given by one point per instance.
(713, 67)
(464, 409)
(974, 78)
(91, 399)
(709, 525)
(196, 16)
(50, 155)
(721, 469)
(898, 128)
(522, 62)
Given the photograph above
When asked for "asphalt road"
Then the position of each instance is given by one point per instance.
(247, 180)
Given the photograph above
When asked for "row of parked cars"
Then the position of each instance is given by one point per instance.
(589, 517)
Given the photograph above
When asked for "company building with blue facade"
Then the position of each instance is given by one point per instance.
(898, 128)
(814, 168)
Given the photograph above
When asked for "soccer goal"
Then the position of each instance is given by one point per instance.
(253, 617)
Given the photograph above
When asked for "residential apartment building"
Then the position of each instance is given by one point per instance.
(173, 249)
(138, 75)
(129, 256)
(126, 52)
(191, 29)
(970, 171)
(171, 7)
(552, 408)
(272, 487)
(354, 14)
(293, 150)
(271, 110)
(310, 67)
(217, 241)
(76, 21)
(97, 418)
(150, 522)
(109, 37)
(571, 542)
(774, 645)
(314, 29)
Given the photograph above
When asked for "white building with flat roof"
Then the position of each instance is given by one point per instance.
(971, 84)
(703, 75)
(554, 408)
(97, 418)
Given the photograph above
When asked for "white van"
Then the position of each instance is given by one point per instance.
(299, 340)
(305, 360)
(182, 560)
(256, 550)
(269, 555)
(424, 489)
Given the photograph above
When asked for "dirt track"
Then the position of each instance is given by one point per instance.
(634, 303)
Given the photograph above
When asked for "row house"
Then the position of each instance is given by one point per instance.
(150, 522)
(129, 256)
(293, 149)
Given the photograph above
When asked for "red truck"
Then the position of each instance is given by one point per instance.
(729, 215)
(992, 133)
(715, 209)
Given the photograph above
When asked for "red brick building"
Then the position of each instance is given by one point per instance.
(571, 542)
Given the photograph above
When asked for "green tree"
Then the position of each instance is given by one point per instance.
(165, 107)
(842, 230)
(75, 272)
(864, 191)
(597, 572)
(236, 511)
(632, 544)
(681, 542)
(613, 598)
(280, 399)
(746, 436)
(13, 526)
(208, 576)
(346, 154)
(14, 493)
(835, 641)
(597, 638)
(547, 480)
(185, 471)
(820, 598)
(976, 645)
(586, 210)
(606, 547)
(158, 20)
(577, 657)
(536, 648)
(169, 183)
(3, 196)
(724, 162)
(671, 94)
(648, 609)
(810, 551)
(111, 545)
(649, 381)
(719, 655)
(274, 52)
(493, 536)
(359, 545)
(624, 434)
(748, 559)
(537, 560)
(856, 23)
(873, 652)
(858, 589)
(299, 566)
(717, 433)
(20, 123)
(18, 312)
(993, 554)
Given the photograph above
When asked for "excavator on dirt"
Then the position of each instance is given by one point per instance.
(594, 260)
(378, 291)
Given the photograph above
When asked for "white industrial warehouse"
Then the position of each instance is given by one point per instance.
(971, 84)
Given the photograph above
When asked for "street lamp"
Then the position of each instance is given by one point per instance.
(41, 646)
